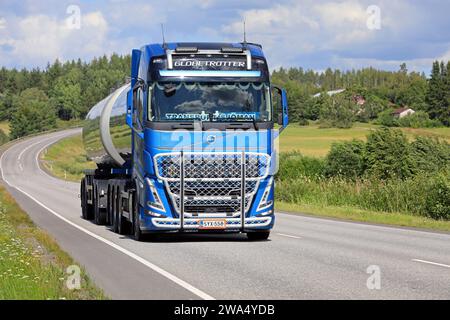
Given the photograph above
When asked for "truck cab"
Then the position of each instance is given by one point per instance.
(202, 119)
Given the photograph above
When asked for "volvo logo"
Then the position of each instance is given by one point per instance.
(211, 139)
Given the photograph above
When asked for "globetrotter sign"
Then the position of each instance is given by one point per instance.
(200, 63)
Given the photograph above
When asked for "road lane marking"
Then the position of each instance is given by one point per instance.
(288, 236)
(433, 263)
(19, 158)
(132, 255)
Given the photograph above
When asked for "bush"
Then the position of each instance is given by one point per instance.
(346, 159)
(429, 155)
(388, 155)
(303, 122)
(437, 204)
(386, 118)
(422, 195)
(418, 119)
(294, 165)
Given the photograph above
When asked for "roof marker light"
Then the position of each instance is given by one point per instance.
(232, 50)
(186, 49)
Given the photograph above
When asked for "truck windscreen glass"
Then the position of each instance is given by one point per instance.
(187, 101)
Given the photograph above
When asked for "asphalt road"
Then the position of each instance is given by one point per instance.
(305, 257)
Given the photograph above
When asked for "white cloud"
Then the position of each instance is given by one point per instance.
(2, 23)
(38, 39)
(300, 28)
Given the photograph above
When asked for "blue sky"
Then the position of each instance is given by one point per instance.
(313, 34)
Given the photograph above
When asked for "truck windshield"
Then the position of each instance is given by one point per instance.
(184, 101)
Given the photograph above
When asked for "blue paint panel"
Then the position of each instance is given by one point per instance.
(232, 141)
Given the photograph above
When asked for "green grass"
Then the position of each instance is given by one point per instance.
(313, 141)
(65, 124)
(67, 159)
(354, 214)
(32, 266)
(4, 126)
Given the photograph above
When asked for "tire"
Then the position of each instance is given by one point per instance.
(115, 216)
(108, 207)
(137, 233)
(86, 209)
(124, 226)
(258, 235)
(99, 214)
(83, 199)
(121, 226)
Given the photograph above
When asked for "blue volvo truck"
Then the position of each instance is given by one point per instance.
(187, 144)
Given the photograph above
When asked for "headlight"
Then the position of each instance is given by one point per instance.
(265, 203)
(156, 203)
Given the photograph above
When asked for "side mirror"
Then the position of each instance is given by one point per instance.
(280, 119)
(135, 59)
(129, 108)
(281, 99)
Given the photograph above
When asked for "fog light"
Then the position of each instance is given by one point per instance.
(154, 214)
(267, 213)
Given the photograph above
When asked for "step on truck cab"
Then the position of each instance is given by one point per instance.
(188, 144)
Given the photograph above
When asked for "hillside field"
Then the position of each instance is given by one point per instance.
(316, 142)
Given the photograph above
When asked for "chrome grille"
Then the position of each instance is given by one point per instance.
(211, 165)
(212, 181)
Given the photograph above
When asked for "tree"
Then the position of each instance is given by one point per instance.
(346, 159)
(33, 113)
(66, 96)
(337, 111)
(437, 97)
(387, 155)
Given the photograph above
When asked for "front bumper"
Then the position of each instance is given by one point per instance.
(232, 224)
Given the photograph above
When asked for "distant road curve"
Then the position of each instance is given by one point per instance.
(305, 258)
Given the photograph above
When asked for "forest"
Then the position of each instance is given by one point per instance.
(32, 100)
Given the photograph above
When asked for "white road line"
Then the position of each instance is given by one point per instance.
(433, 263)
(132, 255)
(288, 236)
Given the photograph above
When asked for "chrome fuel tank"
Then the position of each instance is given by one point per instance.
(106, 136)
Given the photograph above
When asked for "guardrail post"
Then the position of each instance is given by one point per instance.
(181, 191)
(243, 191)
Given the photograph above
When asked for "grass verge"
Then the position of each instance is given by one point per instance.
(32, 266)
(354, 214)
(66, 159)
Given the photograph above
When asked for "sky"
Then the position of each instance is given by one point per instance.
(313, 34)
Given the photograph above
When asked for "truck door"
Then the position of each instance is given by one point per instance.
(138, 128)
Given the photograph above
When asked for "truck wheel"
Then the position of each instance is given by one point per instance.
(86, 209)
(83, 200)
(115, 213)
(121, 226)
(99, 214)
(108, 207)
(137, 233)
(258, 235)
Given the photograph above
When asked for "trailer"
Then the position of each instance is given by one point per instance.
(188, 144)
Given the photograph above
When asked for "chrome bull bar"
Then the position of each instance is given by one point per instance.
(242, 194)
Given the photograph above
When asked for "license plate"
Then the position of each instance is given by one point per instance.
(212, 224)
